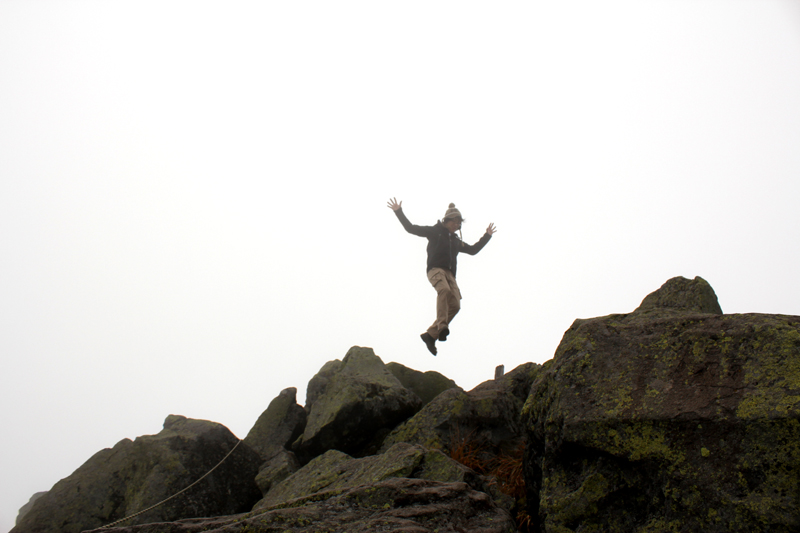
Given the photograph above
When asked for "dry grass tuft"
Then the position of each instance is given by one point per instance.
(505, 469)
(468, 451)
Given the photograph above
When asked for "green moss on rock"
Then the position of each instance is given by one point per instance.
(671, 418)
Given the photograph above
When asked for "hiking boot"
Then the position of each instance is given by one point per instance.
(443, 334)
(429, 341)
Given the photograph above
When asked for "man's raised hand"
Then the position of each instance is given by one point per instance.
(491, 230)
(393, 205)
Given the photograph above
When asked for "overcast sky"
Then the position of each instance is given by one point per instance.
(193, 194)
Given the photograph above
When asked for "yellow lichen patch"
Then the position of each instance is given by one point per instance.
(637, 440)
(661, 526)
(772, 381)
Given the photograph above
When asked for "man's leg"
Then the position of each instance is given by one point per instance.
(447, 300)
(454, 301)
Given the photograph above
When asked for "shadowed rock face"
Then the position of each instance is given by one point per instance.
(671, 418)
(487, 416)
(278, 426)
(426, 385)
(279, 467)
(352, 404)
(134, 475)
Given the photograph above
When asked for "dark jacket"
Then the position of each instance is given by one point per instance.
(443, 246)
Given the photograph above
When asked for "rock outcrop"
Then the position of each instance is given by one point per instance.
(352, 404)
(671, 418)
(134, 475)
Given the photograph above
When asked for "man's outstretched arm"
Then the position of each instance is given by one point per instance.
(397, 207)
(473, 249)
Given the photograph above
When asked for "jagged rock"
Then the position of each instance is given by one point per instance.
(279, 467)
(397, 504)
(426, 385)
(317, 384)
(671, 418)
(352, 404)
(27, 507)
(134, 475)
(488, 416)
(278, 426)
(335, 470)
(275, 430)
(682, 295)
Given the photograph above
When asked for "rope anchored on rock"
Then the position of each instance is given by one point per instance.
(162, 502)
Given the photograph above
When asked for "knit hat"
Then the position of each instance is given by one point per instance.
(452, 212)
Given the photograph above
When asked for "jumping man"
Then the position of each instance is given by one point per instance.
(443, 248)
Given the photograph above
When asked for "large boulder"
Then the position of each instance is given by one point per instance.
(277, 427)
(486, 418)
(671, 418)
(351, 405)
(134, 475)
(395, 504)
(427, 385)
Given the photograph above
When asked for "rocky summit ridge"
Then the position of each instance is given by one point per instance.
(672, 418)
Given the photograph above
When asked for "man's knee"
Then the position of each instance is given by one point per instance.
(446, 291)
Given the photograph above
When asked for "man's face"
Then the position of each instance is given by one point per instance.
(452, 224)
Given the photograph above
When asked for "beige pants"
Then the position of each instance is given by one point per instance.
(448, 299)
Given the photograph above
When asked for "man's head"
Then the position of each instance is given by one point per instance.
(452, 219)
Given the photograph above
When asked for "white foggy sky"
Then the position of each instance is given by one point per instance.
(193, 194)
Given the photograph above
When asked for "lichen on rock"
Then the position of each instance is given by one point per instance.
(661, 419)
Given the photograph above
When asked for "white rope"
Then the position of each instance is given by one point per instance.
(173, 496)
